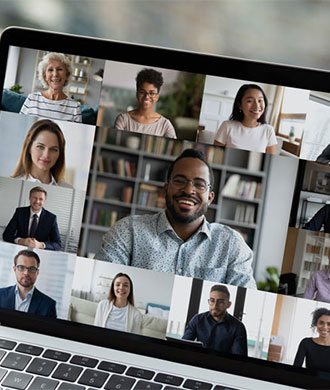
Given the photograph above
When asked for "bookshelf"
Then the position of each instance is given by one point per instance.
(127, 181)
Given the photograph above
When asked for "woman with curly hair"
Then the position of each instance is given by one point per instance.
(54, 72)
(144, 119)
(316, 351)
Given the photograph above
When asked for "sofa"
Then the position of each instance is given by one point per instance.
(83, 311)
(13, 101)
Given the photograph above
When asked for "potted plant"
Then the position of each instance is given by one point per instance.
(16, 88)
(291, 134)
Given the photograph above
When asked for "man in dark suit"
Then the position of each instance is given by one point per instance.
(24, 296)
(34, 226)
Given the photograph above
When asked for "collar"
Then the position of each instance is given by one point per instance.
(35, 180)
(32, 213)
(225, 320)
(29, 294)
(164, 225)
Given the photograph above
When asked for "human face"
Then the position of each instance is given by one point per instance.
(188, 204)
(37, 200)
(218, 304)
(26, 279)
(252, 104)
(323, 326)
(44, 151)
(147, 95)
(55, 75)
(122, 288)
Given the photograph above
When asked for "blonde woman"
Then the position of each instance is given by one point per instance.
(54, 72)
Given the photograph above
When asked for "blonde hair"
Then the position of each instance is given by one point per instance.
(53, 57)
(24, 165)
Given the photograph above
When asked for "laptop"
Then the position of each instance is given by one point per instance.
(86, 145)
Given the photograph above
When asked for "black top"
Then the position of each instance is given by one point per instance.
(317, 356)
(322, 217)
(324, 157)
(226, 336)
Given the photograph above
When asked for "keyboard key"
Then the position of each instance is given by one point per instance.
(29, 349)
(67, 372)
(140, 373)
(218, 387)
(2, 373)
(118, 382)
(6, 344)
(168, 379)
(41, 366)
(93, 378)
(56, 355)
(84, 361)
(170, 388)
(2, 354)
(112, 367)
(16, 361)
(144, 385)
(196, 385)
(17, 380)
(43, 384)
(70, 386)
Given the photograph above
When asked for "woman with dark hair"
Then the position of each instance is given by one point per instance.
(145, 119)
(42, 158)
(246, 127)
(316, 351)
(118, 311)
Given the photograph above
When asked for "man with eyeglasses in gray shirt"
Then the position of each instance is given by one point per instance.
(179, 239)
(24, 296)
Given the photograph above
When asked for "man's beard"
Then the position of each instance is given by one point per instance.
(181, 217)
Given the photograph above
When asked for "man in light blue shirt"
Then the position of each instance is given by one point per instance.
(24, 296)
(179, 239)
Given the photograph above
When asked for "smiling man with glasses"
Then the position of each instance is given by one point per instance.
(216, 328)
(179, 239)
(24, 296)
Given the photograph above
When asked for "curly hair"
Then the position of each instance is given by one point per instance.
(151, 76)
(53, 57)
(322, 311)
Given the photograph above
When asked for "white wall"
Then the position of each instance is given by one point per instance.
(277, 208)
(11, 69)
(149, 286)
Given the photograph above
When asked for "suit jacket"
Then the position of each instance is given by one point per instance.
(40, 304)
(47, 230)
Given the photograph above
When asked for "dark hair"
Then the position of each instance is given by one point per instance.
(27, 253)
(191, 153)
(149, 76)
(112, 296)
(237, 114)
(24, 164)
(38, 189)
(322, 311)
(223, 289)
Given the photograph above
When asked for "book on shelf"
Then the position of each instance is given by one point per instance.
(245, 213)
(100, 189)
(151, 196)
(121, 167)
(103, 217)
(244, 189)
(127, 194)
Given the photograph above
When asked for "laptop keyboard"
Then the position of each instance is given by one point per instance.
(29, 367)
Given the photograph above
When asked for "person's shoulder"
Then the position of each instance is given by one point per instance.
(43, 296)
(104, 303)
(217, 228)
(64, 184)
(234, 320)
(7, 290)
(48, 213)
(267, 127)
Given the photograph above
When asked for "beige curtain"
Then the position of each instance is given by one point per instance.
(277, 106)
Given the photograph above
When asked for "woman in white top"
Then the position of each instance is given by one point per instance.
(54, 72)
(118, 311)
(145, 119)
(246, 127)
(42, 158)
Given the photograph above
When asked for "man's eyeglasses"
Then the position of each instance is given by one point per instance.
(217, 302)
(22, 268)
(180, 182)
(152, 94)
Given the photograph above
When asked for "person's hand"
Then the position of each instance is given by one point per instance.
(31, 243)
(38, 244)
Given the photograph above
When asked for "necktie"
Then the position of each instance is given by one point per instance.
(34, 224)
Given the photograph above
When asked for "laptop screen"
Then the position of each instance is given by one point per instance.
(169, 199)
